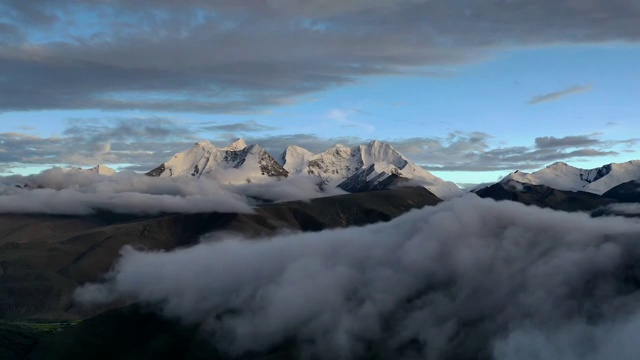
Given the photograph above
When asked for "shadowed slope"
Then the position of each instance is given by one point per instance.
(45, 258)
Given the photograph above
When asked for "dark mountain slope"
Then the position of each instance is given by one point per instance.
(42, 263)
(545, 197)
(628, 192)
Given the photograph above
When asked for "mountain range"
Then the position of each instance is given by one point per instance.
(563, 187)
(44, 258)
(375, 165)
(565, 177)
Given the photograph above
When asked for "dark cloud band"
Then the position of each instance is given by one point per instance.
(234, 56)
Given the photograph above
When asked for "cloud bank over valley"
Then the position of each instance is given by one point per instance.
(469, 278)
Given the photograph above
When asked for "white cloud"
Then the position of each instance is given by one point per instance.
(76, 192)
(438, 283)
(344, 119)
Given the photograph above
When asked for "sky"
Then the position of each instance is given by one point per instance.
(469, 89)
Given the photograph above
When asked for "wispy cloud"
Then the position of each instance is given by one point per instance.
(538, 99)
(546, 142)
(243, 127)
(342, 116)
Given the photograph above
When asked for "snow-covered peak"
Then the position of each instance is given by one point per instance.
(295, 159)
(380, 152)
(339, 146)
(382, 167)
(239, 144)
(333, 166)
(204, 159)
(376, 176)
(614, 175)
(102, 170)
(204, 144)
(559, 165)
(339, 163)
(563, 176)
(558, 175)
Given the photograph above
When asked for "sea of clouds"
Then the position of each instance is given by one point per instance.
(79, 192)
(469, 278)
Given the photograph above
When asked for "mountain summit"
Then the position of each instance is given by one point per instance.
(354, 168)
(102, 170)
(373, 166)
(248, 162)
(565, 177)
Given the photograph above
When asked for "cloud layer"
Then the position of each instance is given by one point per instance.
(237, 56)
(78, 192)
(469, 278)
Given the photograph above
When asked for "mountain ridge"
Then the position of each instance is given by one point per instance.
(341, 165)
(562, 176)
(205, 158)
(334, 166)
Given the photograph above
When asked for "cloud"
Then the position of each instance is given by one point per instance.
(559, 94)
(241, 127)
(244, 55)
(474, 151)
(132, 128)
(144, 141)
(624, 209)
(311, 142)
(565, 142)
(143, 145)
(79, 192)
(342, 117)
(469, 278)
(580, 340)
(10, 33)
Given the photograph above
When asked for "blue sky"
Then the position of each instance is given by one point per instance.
(477, 106)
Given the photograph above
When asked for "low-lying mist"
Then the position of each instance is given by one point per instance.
(77, 192)
(467, 279)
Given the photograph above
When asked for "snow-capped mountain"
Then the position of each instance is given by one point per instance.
(340, 163)
(376, 176)
(101, 170)
(295, 159)
(249, 162)
(565, 177)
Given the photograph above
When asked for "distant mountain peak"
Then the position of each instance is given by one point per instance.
(204, 144)
(339, 163)
(102, 170)
(562, 176)
(560, 164)
(295, 159)
(339, 146)
(238, 144)
(206, 159)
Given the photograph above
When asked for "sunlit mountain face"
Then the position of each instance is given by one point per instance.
(319, 179)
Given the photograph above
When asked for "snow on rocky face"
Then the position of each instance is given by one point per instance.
(295, 159)
(243, 163)
(340, 163)
(376, 176)
(102, 170)
(562, 176)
